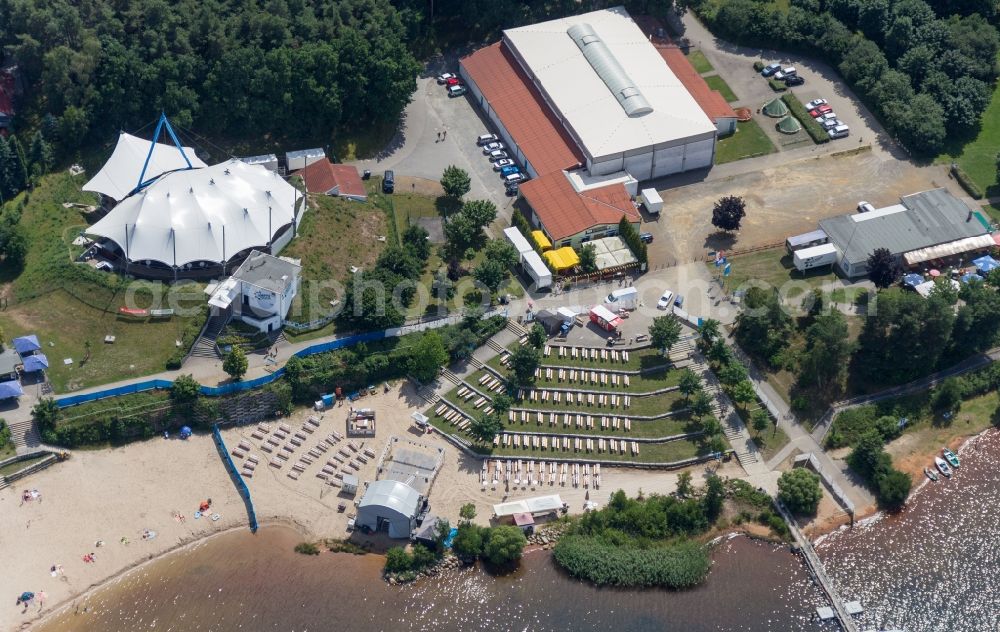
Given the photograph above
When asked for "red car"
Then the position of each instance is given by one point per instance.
(820, 111)
(451, 81)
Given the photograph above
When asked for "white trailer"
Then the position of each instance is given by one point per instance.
(652, 201)
(517, 240)
(822, 255)
(537, 270)
(624, 298)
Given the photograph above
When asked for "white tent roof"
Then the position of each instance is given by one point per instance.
(536, 505)
(394, 495)
(120, 174)
(207, 214)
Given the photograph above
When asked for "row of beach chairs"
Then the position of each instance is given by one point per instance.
(492, 383)
(527, 472)
(570, 419)
(583, 376)
(601, 400)
(593, 354)
(452, 415)
(565, 444)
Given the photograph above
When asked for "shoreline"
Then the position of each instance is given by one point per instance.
(59, 608)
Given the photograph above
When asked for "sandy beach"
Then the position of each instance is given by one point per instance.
(111, 494)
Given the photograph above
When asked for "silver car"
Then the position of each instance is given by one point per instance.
(497, 154)
(491, 147)
(503, 162)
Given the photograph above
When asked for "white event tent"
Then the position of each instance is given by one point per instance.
(120, 174)
(200, 215)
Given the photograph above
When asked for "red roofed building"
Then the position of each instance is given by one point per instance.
(327, 178)
(570, 217)
(711, 101)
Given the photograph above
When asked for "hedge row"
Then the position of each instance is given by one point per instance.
(814, 129)
(777, 86)
(963, 178)
(681, 565)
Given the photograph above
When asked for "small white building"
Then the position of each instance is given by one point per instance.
(302, 158)
(260, 292)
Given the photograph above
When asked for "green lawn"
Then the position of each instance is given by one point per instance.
(748, 141)
(700, 62)
(978, 156)
(774, 267)
(715, 82)
(771, 441)
(70, 306)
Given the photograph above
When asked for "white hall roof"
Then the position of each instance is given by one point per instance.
(207, 214)
(586, 102)
(120, 174)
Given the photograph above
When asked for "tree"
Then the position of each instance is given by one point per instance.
(468, 542)
(185, 389)
(715, 494)
(728, 213)
(46, 414)
(664, 332)
(235, 363)
(733, 373)
(428, 356)
(719, 352)
(490, 273)
(523, 363)
(684, 487)
(415, 241)
(40, 155)
(893, 489)
(709, 333)
(485, 427)
(760, 419)
(397, 560)
(743, 394)
(799, 490)
(948, 396)
(868, 458)
(502, 251)
(701, 405)
(481, 213)
(504, 545)
(588, 258)
(689, 384)
(442, 529)
(883, 268)
(537, 336)
(467, 512)
(828, 351)
(502, 403)
(455, 182)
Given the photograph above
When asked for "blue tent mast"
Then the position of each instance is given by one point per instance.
(163, 122)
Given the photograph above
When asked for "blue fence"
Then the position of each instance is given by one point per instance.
(241, 485)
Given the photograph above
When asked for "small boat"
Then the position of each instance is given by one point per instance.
(942, 466)
(931, 474)
(951, 457)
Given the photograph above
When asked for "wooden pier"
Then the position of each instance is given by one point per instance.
(815, 566)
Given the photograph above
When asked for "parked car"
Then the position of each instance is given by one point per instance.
(497, 154)
(490, 147)
(829, 124)
(506, 171)
(388, 182)
(785, 72)
(646, 238)
(865, 207)
(503, 162)
(770, 69)
(794, 80)
(456, 91)
(815, 103)
(665, 300)
(452, 81)
(485, 139)
(514, 178)
(510, 189)
(820, 111)
(841, 131)
(443, 78)
(679, 301)
(827, 117)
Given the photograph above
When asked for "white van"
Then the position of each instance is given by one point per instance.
(841, 131)
(784, 73)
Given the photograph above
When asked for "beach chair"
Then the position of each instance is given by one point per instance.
(267, 447)
(362, 458)
(338, 436)
(307, 428)
(355, 465)
(276, 462)
(604, 355)
(285, 428)
(312, 421)
(264, 428)
(369, 452)
(624, 356)
(333, 482)
(614, 401)
(353, 446)
(314, 453)
(239, 454)
(590, 399)
(257, 434)
(557, 397)
(626, 381)
(548, 351)
(593, 355)
(538, 418)
(305, 459)
(562, 351)
(565, 443)
(295, 441)
(604, 379)
(566, 420)
(569, 397)
(330, 440)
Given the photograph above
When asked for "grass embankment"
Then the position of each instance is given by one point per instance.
(748, 141)
(798, 110)
(700, 62)
(977, 156)
(715, 82)
(12, 468)
(72, 307)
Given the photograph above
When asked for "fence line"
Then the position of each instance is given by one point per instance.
(264, 380)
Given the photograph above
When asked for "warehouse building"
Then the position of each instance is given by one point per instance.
(927, 229)
(390, 506)
(590, 90)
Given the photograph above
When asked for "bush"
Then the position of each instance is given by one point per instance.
(504, 545)
(776, 85)
(799, 490)
(468, 542)
(758, 66)
(967, 183)
(630, 236)
(814, 129)
(397, 560)
(679, 565)
(307, 548)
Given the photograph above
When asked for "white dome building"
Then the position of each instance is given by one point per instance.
(193, 221)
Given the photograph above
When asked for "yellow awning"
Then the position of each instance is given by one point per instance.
(540, 239)
(563, 258)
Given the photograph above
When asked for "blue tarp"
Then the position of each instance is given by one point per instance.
(36, 362)
(10, 389)
(26, 344)
(965, 278)
(912, 279)
(986, 264)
